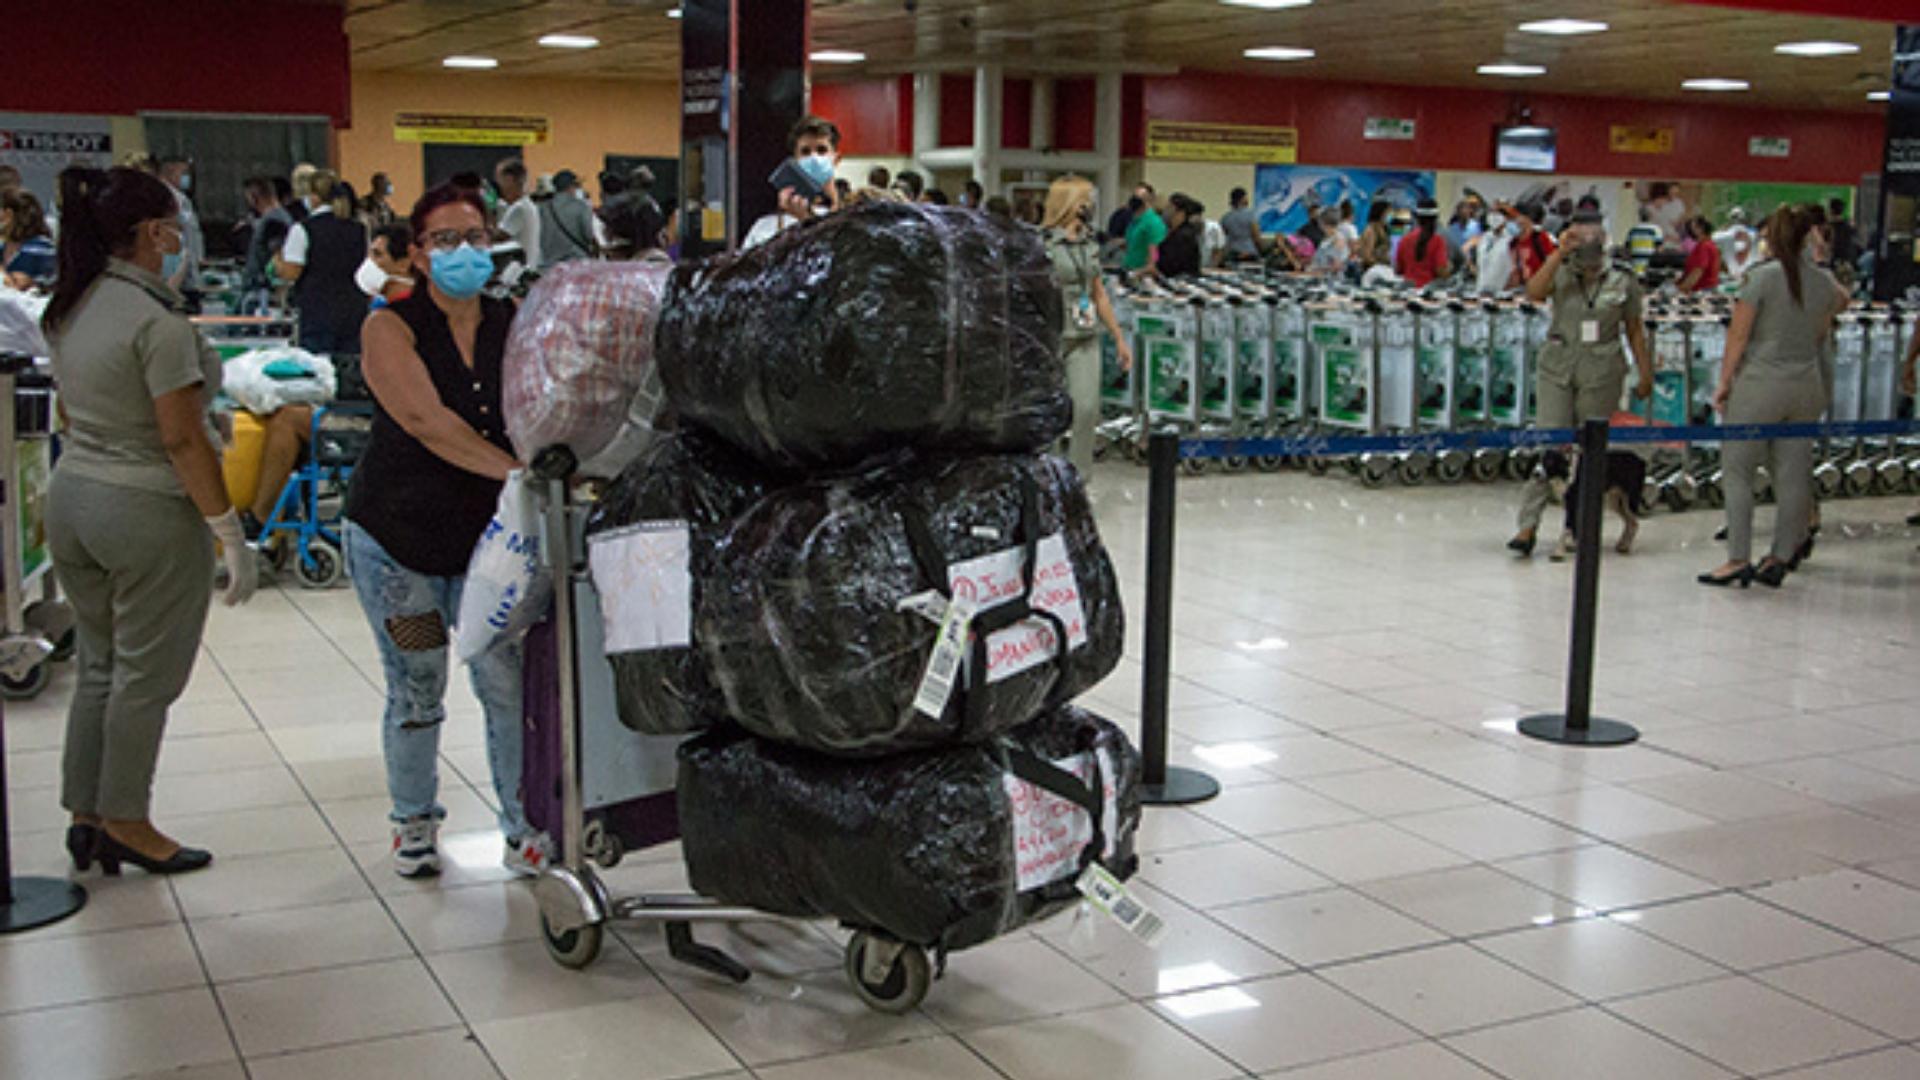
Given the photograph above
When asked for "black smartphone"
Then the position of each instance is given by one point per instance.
(789, 175)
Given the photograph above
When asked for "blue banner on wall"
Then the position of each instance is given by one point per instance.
(1285, 194)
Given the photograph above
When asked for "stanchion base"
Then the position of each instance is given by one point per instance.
(1183, 786)
(1552, 727)
(38, 901)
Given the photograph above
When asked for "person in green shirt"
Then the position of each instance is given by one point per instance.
(1144, 236)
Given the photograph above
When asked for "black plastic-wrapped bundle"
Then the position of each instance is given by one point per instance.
(804, 627)
(882, 327)
(943, 848)
(681, 482)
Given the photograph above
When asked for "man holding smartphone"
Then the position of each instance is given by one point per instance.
(804, 180)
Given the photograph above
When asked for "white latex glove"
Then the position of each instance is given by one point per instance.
(243, 568)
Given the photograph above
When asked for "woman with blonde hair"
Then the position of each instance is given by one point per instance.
(320, 257)
(1075, 251)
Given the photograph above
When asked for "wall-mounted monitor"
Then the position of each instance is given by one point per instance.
(1524, 149)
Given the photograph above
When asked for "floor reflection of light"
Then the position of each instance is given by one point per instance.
(1543, 920)
(1234, 755)
(1176, 980)
(1509, 725)
(1625, 916)
(472, 849)
(1211, 1003)
(1265, 644)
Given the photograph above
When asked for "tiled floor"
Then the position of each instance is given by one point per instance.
(1394, 884)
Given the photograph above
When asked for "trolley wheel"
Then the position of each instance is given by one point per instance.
(1375, 471)
(1412, 472)
(1856, 481)
(572, 948)
(1711, 494)
(1826, 483)
(1487, 468)
(1267, 463)
(1450, 470)
(906, 982)
(1318, 466)
(28, 685)
(64, 648)
(1233, 464)
(1193, 466)
(1913, 479)
(1519, 466)
(612, 850)
(1674, 499)
(321, 567)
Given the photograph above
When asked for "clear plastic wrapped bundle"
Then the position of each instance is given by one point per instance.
(941, 848)
(581, 349)
(821, 621)
(883, 327)
(680, 482)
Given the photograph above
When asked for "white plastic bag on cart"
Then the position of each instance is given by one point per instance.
(263, 381)
(20, 323)
(507, 589)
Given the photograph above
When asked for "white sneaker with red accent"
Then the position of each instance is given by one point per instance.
(530, 855)
(416, 850)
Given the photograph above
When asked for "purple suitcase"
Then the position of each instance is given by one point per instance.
(640, 823)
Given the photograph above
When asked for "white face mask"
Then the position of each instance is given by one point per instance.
(370, 277)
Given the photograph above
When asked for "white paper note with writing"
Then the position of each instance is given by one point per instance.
(992, 580)
(644, 576)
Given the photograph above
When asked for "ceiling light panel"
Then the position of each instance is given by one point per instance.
(570, 41)
(1278, 52)
(1817, 48)
(1512, 71)
(1564, 27)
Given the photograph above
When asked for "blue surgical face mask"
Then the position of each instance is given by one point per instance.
(462, 272)
(169, 265)
(819, 169)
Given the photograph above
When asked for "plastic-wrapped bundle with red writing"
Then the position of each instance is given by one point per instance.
(939, 848)
(882, 327)
(651, 541)
(821, 620)
(581, 350)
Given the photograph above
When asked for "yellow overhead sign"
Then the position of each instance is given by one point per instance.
(469, 128)
(1239, 143)
(1640, 140)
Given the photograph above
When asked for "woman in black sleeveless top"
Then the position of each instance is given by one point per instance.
(421, 496)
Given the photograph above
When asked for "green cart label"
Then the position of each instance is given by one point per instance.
(1116, 383)
(1170, 378)
(1434, 391)
(1345, 379)
(1506, 388)
(1216, 378)
(1253, 380)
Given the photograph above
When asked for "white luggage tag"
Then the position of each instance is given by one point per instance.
(943, 666)
(1110, 894)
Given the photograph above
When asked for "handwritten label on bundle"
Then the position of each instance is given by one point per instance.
(1049, 833)
(992, 580)
(645, 578)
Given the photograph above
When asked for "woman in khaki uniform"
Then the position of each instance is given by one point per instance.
(1076, 265)
(1583, 367)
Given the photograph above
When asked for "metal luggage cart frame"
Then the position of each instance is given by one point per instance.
(575, 905)
(37, 633)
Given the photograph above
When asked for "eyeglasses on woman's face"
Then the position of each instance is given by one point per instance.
(449, 239)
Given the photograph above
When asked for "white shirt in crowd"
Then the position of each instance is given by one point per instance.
(293, 251)
(1494, 258)
(1213, 242)
(521, 221)
(1739, 249)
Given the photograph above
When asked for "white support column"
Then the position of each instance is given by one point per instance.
(1041, 115)
(926, 116)
(988, 100)
(1106, 139)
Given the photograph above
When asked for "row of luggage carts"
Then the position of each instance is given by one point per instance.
(1244, 354)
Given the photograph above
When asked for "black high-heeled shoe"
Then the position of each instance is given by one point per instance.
(1523, 547)
(83, 842)
(112, 853)
(1802, 553)
(1772, 574)
(1742, 577)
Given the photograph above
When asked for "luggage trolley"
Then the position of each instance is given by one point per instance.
(575, 905)
(39, 632)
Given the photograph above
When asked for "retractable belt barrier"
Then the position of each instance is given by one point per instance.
(1434, 442)
(1576, 726)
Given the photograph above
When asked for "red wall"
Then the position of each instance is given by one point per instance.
(120, 57)
(1073, 103)
(1455, 128)
(875, 118)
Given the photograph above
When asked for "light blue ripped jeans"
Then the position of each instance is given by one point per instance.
(402, 604)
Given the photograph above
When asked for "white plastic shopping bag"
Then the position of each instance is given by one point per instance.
(507, 589)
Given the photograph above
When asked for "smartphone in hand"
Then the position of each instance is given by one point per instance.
(789, 175)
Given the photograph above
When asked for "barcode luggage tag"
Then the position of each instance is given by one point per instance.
(943, 666)
(1110, 894)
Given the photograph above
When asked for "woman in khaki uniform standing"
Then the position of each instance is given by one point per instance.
(1075, 252)
(1583, 367)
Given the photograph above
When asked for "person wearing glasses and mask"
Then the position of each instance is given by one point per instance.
(422, 494)
(814, 145)
(1075, 252)
(134, 505)
(1583, 366)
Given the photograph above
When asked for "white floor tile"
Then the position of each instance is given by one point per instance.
(1872, 987)
(107, 1040)
(1364, 851)
(1017, 978)
(1425, 1060)
(1125, 1042)
(1447, 988)
(1586, 1044)
(1872, 908)
(36, 973)
(336, 1005)
(449, 1054)
(1469, 900)
(1280, 1023)
(922, 1059)
(1226, 874)
(1326, 927)
(1745, 1026)
(648, 1038)
(1599, 958)
(297, 939)
(501, 981)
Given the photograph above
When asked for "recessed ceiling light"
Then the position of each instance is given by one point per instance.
(1880, 95)
(837, 56)
(1278, 52)
(1817, 48)
(475, 62)
(569, 41)
(1717, 85)
(1267, 5)
(1564, 27)
(1512, 71)
(673, 13)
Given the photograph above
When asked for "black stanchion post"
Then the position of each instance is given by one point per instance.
(1578, 726)
(1162, 785)
(27, 902)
